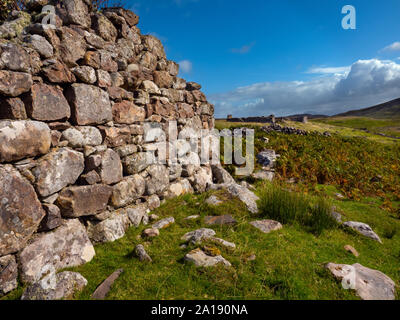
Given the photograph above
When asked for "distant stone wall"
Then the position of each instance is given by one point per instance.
(74, 105)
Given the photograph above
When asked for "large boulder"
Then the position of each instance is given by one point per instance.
(20, 210)
(57, 170)
(13, 84)
(127, 191)
(22, 139)
(90, 104)
(54, 286)
(369, 284)
(81, 201)
(47, 103)
(67, 246)
(8, 274)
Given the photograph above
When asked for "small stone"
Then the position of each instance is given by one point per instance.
(153, 217)
(137, 214)
(266, 226)
(363, 229)
(350, 249)
(264, 175)
(150, 233)
(85, 74)
(104, 288)
(220, 220)
(153, 202)
(164, 223)
(213, 201)
(197, 236)
(194, 217)
(224, 243)
(52, 218)
(201, 259)
(142, 254)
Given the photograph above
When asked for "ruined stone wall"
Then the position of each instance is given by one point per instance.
(74, 105)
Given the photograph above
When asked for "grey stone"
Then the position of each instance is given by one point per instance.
(164, 223)
(136, 214)
(142, 254)
(8, 274)
(244, 195)
(200, 259)
(58, 286)
(40, 44)
(158, 179)
(197, 236)
(127, 191)
(57, 170)
(363, 229)
(20, 210)
(82, 136)
(369, 284)
(266, 226)
(67, 246)
(109, 230)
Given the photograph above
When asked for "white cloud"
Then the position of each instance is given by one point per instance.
(365, 83)
(186, 66)
(395, 46)
(329, 70)
(245, 49)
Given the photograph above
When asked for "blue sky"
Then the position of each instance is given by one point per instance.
(258, 57)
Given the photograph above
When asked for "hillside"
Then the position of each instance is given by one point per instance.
(387, 110)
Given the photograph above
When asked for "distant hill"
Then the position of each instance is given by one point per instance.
(387, 110)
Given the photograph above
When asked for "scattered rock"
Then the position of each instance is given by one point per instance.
(104, 288)
(197, 236)
(55, 286)
(363, 229)
(337, 216)
(164, 223)
(220, 220)
(150, 233)
(142, 254)
(213, 201)
(267, 158)
(201, 259)
(244, 195)
(369, 284)
(194, 217)
(222, 242)
(350, 249)
(264, 175)
(266, 226)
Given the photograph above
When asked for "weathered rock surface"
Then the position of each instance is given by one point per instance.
(111, 167)
(47, 103)
(150, 233)
(52, 218)
(213, 201)
(164, 223)
(22, 139)
(363, 229)
(142, 254)
(158, 179)
(264, 175)
(200, 259)
(82, 136)
(90, 104)
(104, 288)
(67, 246)
(244, 195)
(83, 200)
(267, 158)
(137, 214)
(8, 274)
(57, 170)
(220, 220)
(266, 226)
(58, 286)
(13, 84)
(369, 284)
(197, 236)
(127, 191)
(109, 230)
(20, 210)
(350, 249)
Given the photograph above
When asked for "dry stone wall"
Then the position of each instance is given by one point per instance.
(75, 101)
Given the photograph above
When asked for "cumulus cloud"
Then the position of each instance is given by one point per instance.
(329, 70)
(395, 46)
(363, 84)
(186, 66)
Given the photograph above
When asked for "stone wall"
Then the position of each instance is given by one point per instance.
(74, 105)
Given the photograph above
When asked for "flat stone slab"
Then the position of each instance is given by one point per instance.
(220, 220)
(201, 259)
(369, 284)
(104, 288)
(266, 226)
(363, 229)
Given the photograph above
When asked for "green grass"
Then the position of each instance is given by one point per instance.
(289, 263)
(389, 127)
